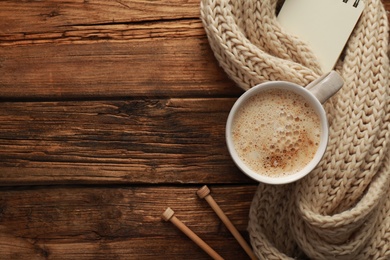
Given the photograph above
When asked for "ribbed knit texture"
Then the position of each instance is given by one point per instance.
(341, 210)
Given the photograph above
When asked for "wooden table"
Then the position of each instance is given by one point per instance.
(111, 111)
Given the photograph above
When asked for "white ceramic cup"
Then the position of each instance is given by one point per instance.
(316, 93)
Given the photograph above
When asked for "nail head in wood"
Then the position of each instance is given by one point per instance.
(203, 192)
(168, 214)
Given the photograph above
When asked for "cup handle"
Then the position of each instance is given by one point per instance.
(326, 86)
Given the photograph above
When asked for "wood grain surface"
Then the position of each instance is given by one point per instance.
(116, 222)
(127, 141)
(110, 112)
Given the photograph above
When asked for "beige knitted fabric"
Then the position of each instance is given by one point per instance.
(342, 209)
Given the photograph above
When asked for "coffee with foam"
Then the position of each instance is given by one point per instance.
(276, 132)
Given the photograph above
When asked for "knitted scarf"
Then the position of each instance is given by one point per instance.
(341, 210)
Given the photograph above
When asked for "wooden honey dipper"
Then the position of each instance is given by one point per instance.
(169, 215)
(204, 193)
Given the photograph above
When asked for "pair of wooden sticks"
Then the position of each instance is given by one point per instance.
(204, 193)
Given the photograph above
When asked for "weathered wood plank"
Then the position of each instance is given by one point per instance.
(63, 57)
(132, 32)
(134, 141)
(48, 16)
(117, 222)
(113, 49)
(176, 68)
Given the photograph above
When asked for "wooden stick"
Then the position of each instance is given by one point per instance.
(168, 215)
(204, 193)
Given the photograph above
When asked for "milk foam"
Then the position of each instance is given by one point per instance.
(276, 133)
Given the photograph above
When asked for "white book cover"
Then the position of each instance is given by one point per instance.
(324, 24)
